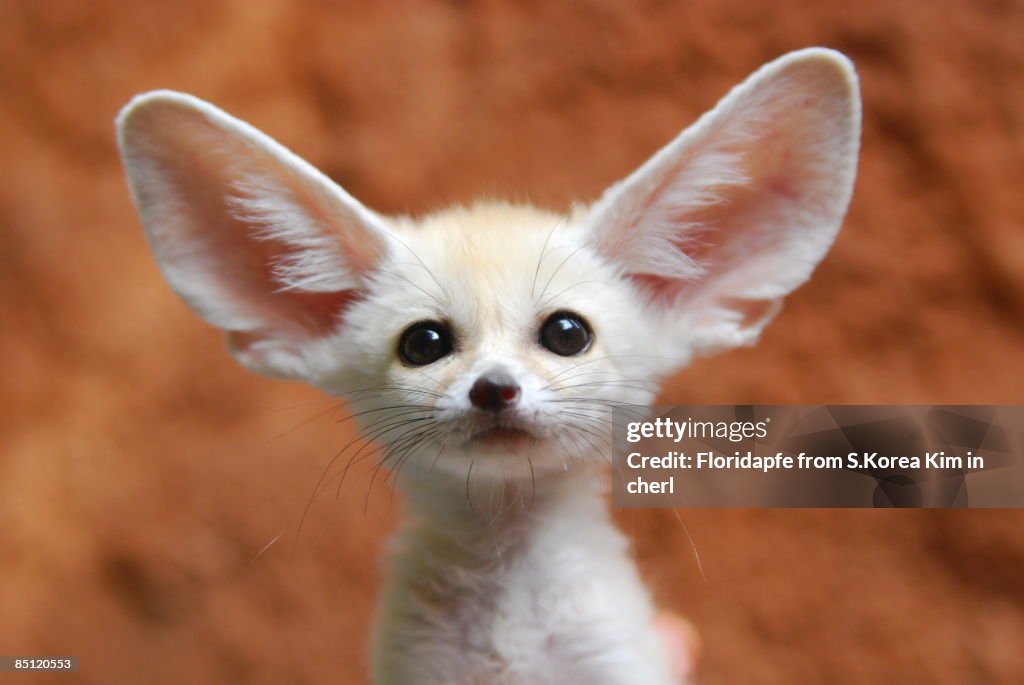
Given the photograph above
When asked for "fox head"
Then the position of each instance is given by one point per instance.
(500, 334)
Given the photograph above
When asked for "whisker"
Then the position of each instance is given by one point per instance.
(370, 432)
(561, 292)
(543, 253)
(411, 407)
(369, 441)
(423, 290)
(305, 422)
(559, 268)
(401, 388)
(469, 496)
(265, 548)
(693, 544)
(422, 264)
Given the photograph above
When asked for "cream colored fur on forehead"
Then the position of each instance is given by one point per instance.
(485, 220)
(485, 234)
(497, 253)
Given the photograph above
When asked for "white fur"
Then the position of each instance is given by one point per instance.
(508, 569)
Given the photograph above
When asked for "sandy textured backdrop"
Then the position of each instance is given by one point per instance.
(141, 472)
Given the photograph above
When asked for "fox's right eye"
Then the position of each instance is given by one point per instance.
(424, 343)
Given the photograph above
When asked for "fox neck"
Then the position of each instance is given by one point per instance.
(503, 512)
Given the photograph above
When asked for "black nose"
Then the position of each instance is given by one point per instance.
(494, 391)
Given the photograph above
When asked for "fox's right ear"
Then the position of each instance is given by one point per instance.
(736, 212)
(254, 239)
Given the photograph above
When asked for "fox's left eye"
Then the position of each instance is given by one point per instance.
(566, 333)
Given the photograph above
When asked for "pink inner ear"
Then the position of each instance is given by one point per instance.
(319, 313)
(782, 186)
(310, 315)
(660, 290)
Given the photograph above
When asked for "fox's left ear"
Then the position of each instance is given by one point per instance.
(737, 211)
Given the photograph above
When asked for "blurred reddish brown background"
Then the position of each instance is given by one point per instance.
(142, 472)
